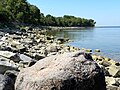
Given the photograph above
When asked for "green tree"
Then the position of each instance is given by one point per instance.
(50, 20)
(22, 12)
(34, 14)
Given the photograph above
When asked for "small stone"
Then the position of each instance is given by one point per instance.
(111, 87)
(105, 63)
(52, 48)
(100, 58)
(25, 58)
(61, 40)
(114, 71)
(88, 50)
(117, 64)
(31, 63)
(49, 38)
(110, 80)
(97, 50)
(105, 70)
(94, 57)
(21, 48)
(7, 54)
(107, 59)
(21, 66)
(38, 56)
(83, 49)
(117, 81)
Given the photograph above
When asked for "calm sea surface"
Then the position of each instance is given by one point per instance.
(105, 39)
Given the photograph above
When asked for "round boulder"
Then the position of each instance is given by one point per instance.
(68, 71)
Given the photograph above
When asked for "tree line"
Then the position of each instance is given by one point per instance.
(20, 11)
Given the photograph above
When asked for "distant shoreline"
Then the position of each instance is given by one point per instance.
(107, 26)
(65, 28)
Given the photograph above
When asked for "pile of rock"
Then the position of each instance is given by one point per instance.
(46, 63)
(23, 49)
(30, 45)
(111, 71)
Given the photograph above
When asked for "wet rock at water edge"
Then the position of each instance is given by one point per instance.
(62, 40)
(105, 63)
(88, 50)
(97, 50)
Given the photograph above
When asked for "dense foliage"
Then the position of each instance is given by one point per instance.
(20, 11)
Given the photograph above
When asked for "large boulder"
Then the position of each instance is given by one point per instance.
(68, 71)
(6, 83)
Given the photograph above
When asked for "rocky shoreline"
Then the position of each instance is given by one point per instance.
(66, 28)
(31, 49)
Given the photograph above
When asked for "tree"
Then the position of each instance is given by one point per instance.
(22, 12)
(5, 16)
(50, 20)
(34, 16)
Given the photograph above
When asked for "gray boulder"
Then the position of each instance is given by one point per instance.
(6, 64)
(69, 71)
(10, 55)
(7, 54)
(16, 48)
(25, 58)
(12, 74)
(6, 83)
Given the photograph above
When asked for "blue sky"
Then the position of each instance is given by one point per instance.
(104, 12)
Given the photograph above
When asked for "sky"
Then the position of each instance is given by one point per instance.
(104, 12)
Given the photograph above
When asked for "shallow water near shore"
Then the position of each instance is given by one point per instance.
(105, 39)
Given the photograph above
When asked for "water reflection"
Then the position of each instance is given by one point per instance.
(106, 39)
(74, 34)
